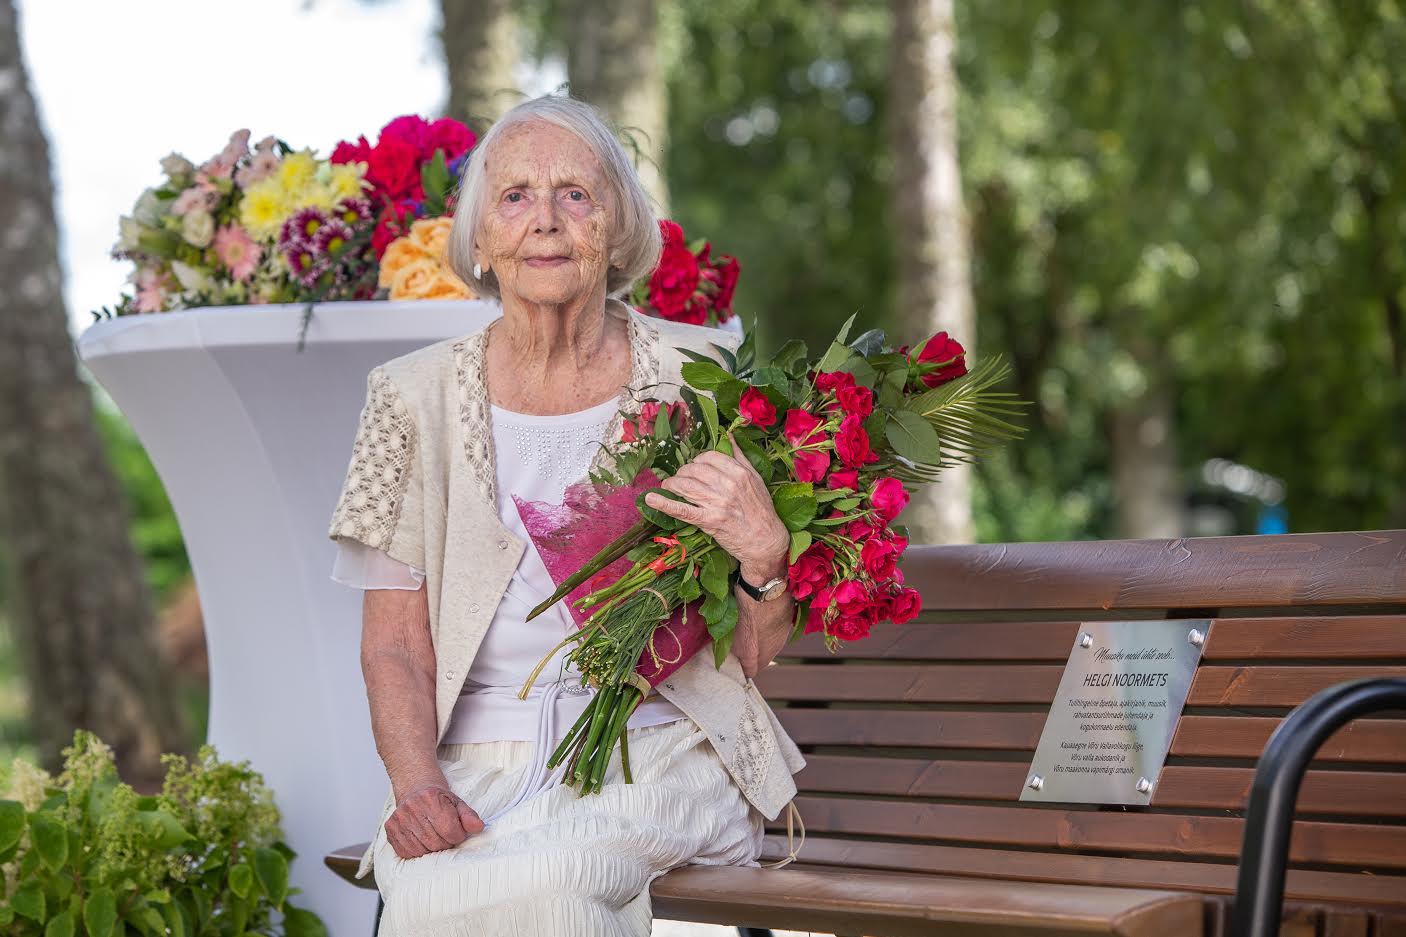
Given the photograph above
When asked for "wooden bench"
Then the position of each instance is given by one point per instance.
(918, 742)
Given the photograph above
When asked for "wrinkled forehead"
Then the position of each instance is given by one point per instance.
(538, 153)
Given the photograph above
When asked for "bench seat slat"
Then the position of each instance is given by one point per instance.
(1010, 864)
(1349, 844)
(900, 904)
(1342, 793)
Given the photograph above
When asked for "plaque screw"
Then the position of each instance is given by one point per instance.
(1144, 786)
(1036, 782)
(1196, 637)
(1086, 640)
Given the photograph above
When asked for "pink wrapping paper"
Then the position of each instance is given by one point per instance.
(589, 518)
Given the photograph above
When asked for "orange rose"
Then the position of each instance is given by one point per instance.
(412, 280)
(447, 286)
(400, 253)
(432, 236)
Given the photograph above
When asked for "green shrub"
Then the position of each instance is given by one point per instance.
(86, 854)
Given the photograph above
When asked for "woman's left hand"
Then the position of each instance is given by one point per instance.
(732, 505)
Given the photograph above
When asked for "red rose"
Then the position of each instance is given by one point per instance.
(811, 572)
(452, 137)
(672, 234)
(358, 152)
(852, 443)
(819, 609)
(801, 426)
(673, 282)
(857, 400)
(629, 432)
(393, 169)
(679, 416)
(938, 349)
(855, 610)
(827, 381)
(756, 409)
(855, 628)
(888, 498)
(879, 556)
(811, 465)
(392, 225)
(861, 530)
(649, 410)
(728, 272)
(411, 129)
(904, 606)
(843, 478)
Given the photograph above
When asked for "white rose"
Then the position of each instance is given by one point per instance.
(192, 280)
(198, 228)
(148, 209)
(128, 235)
(177, 165)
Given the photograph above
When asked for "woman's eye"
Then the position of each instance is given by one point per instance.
(514, 196)
(576, 195)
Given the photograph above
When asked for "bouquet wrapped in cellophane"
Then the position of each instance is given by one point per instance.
(841, 442)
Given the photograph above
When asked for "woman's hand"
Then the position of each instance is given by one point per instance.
(732, 505)
(430, 819)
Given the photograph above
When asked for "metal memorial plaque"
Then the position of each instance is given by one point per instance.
(1117, 706)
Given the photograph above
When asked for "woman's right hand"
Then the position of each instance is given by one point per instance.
(430, 818)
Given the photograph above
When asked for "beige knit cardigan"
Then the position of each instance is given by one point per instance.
(421, 485)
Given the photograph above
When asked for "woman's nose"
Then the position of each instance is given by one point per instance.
(545, 217)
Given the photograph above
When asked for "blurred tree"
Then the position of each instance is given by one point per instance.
(79, 602)
(930, 228)
(481, 44)
(613, 61)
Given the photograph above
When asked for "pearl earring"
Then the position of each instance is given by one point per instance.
(478, 272)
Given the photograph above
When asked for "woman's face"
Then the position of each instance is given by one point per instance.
(546, 227)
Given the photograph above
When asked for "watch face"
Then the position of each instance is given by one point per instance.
(773, 589)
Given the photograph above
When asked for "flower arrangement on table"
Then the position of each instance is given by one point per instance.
(276, 225)
(840, 441)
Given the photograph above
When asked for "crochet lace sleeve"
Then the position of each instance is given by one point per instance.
(381, 502)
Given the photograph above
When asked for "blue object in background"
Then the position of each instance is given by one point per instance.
(1272, 519)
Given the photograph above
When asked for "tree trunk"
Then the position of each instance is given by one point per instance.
(933, 251)
(1146, 481)
(481, 51)
(612, 61)
(80, 607)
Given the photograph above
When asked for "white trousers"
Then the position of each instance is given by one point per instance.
(563, 865)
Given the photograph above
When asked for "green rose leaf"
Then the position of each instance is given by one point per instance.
(60, 925)
(241, 879)
(272, 871)
(704, 375)
(720, 649)
(913, 438)
(100, 913)
(28, 900)
(709, 407)
(12, 819)
(300, 923)
(689, 589)
(795, 504)
(659, 517)
(756, 455)
(713, 577)
(791, 358)
(50, 840)
(800, 542)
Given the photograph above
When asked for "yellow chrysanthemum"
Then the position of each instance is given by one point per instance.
(297, 172)
(318, 196)
(263, 209)
(346, 181)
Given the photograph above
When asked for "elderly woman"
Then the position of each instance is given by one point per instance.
(476, 837)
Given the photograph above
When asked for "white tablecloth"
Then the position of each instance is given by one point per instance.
(252, 439)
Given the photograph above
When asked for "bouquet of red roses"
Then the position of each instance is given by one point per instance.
(688, 285)
(841, 442)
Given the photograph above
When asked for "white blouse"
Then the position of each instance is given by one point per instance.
(537, 458)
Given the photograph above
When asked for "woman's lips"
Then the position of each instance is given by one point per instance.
(546, 261)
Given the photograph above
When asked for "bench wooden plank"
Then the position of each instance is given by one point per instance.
(1365, 741)
(1009, 864)
(1349, 844)
(1036, 684)
(1336, 637)
(1291, 570)
(1340, 793)
(901, 904)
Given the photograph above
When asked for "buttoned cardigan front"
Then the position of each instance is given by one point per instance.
(421, 485)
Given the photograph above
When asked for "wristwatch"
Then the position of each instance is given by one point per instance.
(773, 588)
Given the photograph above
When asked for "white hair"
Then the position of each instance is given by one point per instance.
(635, 240)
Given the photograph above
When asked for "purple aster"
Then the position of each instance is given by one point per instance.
(305, 265)
(306, 221)
(331, 239)
(355, 211)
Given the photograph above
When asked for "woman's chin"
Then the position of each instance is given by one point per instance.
(552, 290)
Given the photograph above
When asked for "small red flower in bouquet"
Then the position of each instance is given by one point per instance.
(841, 442)
(687, 285)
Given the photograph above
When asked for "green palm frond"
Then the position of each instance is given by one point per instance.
(969, 416)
